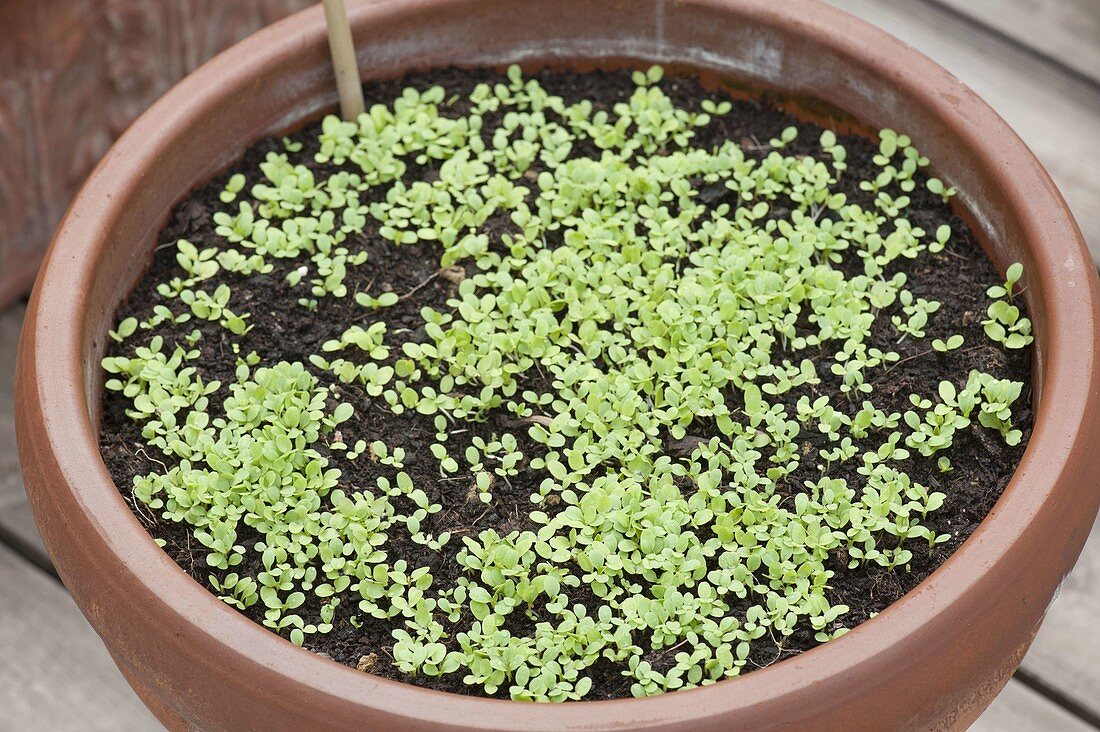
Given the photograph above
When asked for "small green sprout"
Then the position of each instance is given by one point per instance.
(385, 300)
(937, 186)
(1005, 323)
(126, 328)
(943, 235)
(951, 344)
(200, 265)
(786, 137)
(234, 186)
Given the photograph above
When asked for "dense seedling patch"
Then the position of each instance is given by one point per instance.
(668, 361)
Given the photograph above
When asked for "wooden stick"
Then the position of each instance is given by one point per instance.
(344, 63)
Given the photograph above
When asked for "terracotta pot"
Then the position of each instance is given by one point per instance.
(935, 659)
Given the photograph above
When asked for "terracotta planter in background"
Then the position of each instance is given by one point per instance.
(935, 659)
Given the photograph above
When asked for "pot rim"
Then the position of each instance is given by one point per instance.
(54, 356)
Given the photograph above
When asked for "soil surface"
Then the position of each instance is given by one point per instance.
(283, 330)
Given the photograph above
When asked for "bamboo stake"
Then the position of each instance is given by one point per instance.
(344, 63)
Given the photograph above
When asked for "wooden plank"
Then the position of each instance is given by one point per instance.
(1065, 652)
(18, 529)
(22, 229)
(73, 75)
(208, 26)
(1067, 31)
(1056, 115)
(56, 673)
(16, 524)
(1019, 709)
(272, 10)
(10, 322)
(96, 66)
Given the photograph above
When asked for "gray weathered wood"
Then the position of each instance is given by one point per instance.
(1019, 709)
(10, 486)
(73, 75)
(17, 526)
(1067, 31)
(1064, 655)
(1057, 116)
(55, 673)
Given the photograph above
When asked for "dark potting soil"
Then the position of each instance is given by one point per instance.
(283, 330)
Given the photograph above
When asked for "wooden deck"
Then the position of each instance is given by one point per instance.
(1036, 61)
